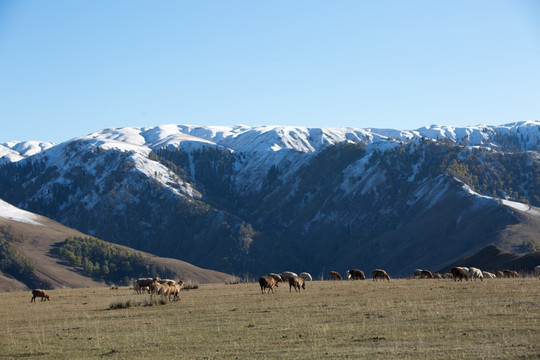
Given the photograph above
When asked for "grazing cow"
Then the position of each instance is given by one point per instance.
(334, 275)
(356, 274)
(459, 273)
(296, 282)
(380, 274)
(426, 274)
(417, 273)
(267, 282)
(476, 273)
(537, 271)
(306, 276)
(41, 294)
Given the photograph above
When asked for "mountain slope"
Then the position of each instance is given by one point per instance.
(36, 237)
(256, 199)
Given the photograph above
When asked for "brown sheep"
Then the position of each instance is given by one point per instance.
(296, 282)
(437, 276)
(356, 274)
(509, 274)
(40, 293)
(426, 274)
(267, 282)
(459, 273)
(175, 290)
(380, 274)
(334, 275)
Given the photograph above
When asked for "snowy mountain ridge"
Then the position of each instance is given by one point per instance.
(242, 138)
(179, 190)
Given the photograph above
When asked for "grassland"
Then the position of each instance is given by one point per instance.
(400, 319)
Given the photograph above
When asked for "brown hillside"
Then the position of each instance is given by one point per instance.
(492, 258)
(51, 272)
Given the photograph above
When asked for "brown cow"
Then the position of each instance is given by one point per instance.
(40, 293)
(459, 273)
(334, 275)
(380, 274)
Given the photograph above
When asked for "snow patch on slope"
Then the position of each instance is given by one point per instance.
(10, 212)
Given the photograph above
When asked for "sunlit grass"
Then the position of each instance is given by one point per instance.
(402, 319)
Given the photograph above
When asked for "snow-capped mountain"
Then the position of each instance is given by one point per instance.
(242, 199)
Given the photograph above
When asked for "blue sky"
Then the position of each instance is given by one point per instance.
(69, 68)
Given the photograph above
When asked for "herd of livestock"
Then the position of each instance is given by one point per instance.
(270, 281)
(170, 289)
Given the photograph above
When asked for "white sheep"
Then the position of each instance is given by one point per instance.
(476, 273)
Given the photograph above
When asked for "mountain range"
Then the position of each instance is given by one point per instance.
(251, 200)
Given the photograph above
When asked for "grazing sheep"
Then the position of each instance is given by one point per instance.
(488, 275)
(276, 277)
(380, 274)
(41, 294)
(426, 274)
(448, 275)
(537, 271)
(267, 282)
(164, 290)
(356, 274)
(459, 273)
(476, 273)
(143, 284)
(510, 274)
(285, 276)
(418, 273)
(175, 290)
(334, 275)
(306, 276)
(438, 276)
(296, 282)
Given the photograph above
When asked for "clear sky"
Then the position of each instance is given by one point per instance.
(69, 68)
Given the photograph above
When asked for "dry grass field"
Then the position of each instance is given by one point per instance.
(400, 319)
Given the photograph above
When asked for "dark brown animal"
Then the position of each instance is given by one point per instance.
(41, 294)
(356, 274)
(380, 274)
(459, 273)
(296, 283)
(334, 275)
(267, 282)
